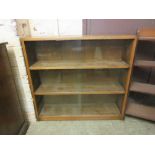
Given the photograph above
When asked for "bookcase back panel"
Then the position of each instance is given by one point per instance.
(145, 50)
(144, 99)
(31, 54)
(141, 74)
(35, 79)
(152, 76)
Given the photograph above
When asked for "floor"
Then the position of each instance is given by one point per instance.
(130, 126)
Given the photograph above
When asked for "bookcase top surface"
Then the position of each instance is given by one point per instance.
(82, 37)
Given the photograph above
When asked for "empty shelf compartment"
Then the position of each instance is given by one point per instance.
(80, 105)
(66, 82)
(141, 105)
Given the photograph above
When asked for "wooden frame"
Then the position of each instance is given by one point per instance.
(121, 45)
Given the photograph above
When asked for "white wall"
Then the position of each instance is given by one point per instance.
(38, 28)
(56, 27)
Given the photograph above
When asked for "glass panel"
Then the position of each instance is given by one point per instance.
(77, 105)
(88, 53)
(80, 81)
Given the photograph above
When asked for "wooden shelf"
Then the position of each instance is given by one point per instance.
(144, 63)
(79, 107)
(139, 109)
(88, 64)
(143, 88)
(80, 88)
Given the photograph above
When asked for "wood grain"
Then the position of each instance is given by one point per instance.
(140, 109)
(143, 88)
(83, 37)
(80, 88)
(127, 79)
(27, 63)
(146, 34)
(144, 63)
(88, 64)
(82, 117)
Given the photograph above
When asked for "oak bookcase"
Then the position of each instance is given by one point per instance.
(80, 77)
